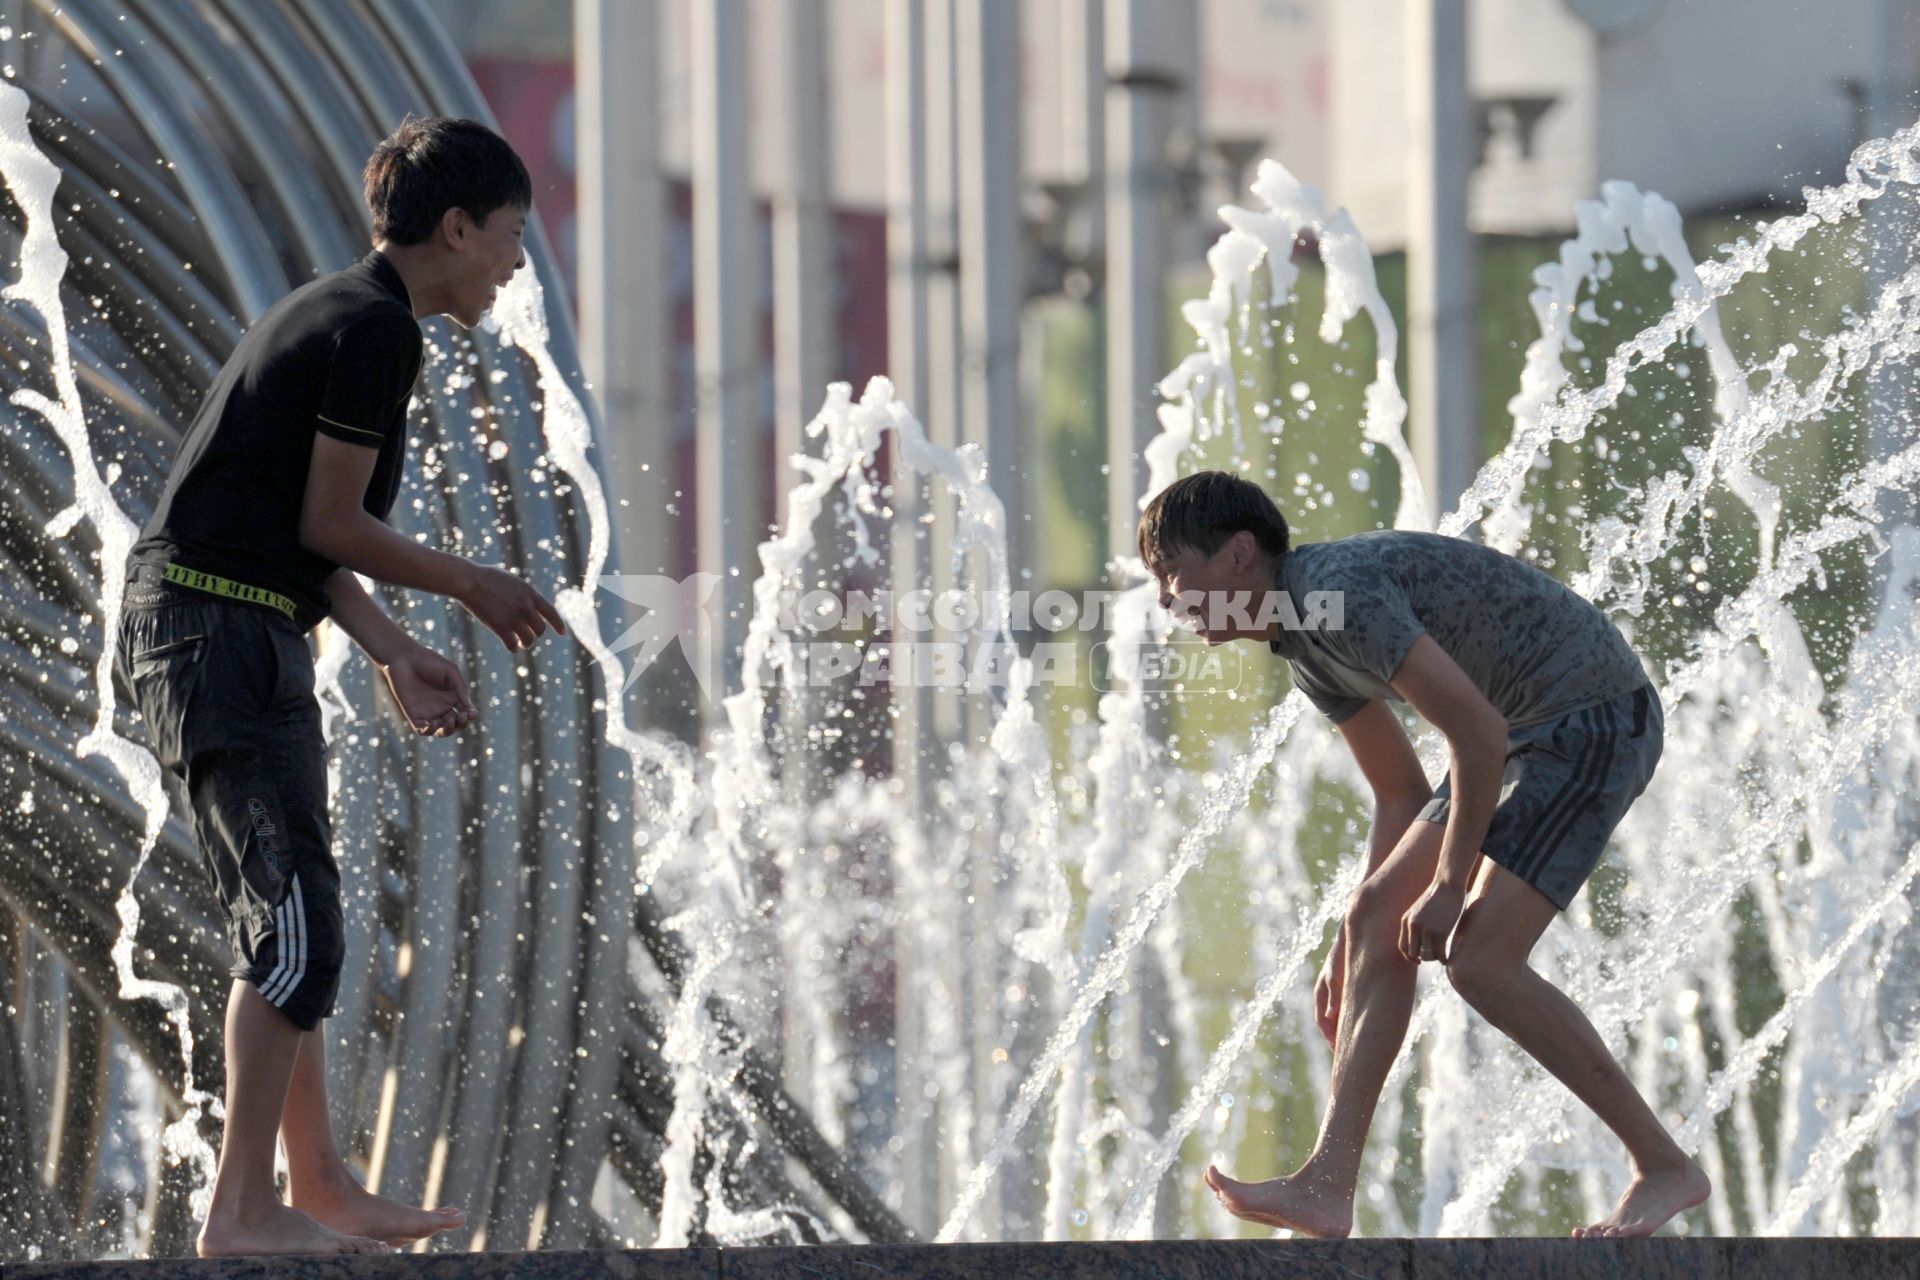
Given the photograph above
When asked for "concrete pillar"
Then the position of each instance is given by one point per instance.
(803, 231)
(803, 354)
(1142, 83)
(1441, 278)
(908, 364)
(907, 356)
(946, 383)
(624, 351)
(1083, 99)
(992, 244)
(730, 459)
(1893, 222)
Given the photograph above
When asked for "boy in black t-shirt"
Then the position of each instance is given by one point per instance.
(276, 501)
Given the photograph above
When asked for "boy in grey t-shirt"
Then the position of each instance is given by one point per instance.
(1554, 731)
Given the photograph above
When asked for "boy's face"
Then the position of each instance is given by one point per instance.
(1204, 589)
(490, 253)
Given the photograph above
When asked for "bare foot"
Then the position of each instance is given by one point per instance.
(277, 1230)
(1651, 1199)
(348, 1207)
(1295, 1203)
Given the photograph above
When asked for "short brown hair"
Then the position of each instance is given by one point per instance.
(1201, 511)
(428, 166)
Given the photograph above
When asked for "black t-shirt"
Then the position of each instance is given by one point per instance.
(338, 356)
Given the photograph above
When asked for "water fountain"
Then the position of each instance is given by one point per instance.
(260, 190)
(1047, 920)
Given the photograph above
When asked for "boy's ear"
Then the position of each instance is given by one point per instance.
(1243, 548)
(454, 225)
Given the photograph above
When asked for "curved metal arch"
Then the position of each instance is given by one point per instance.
(260, 117)
(234, 233)
(545, 1056)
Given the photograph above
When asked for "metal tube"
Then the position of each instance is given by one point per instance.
(907, 353)
(240, 245)
(729, 473)
(1141, 82)
(992, 239)
(1440, 252)
(622, 267)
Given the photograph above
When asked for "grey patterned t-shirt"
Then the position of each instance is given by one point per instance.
(1535, 648)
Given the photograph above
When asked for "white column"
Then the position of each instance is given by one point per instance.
(908, 364)
(803, 342)
(803, 233)
(992, 246)
(1141, 85)
(622, 268)
(1441, 352)
(907, 356)
(1893, 98)
(1083, 100)
(730, 461)
(946, 389)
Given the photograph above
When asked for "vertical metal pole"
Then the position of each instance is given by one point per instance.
(1149, 75)
(729, 451)
(907, 356)
(1441, 353)
(1083, 99)
(946, 384)
(908, 362)
(945, 396)
(622, 266)
(1140, 86)
(803, 233)
(803, 322)
(1892, 98)
(992, 242)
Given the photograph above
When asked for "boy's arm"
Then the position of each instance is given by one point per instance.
(431, 691)
(1477, 734)
(1400, 790)
(1392, 770)
(335, 524)
(361, 617)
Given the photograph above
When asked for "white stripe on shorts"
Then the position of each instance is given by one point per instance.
(280, 933)
(294, 941)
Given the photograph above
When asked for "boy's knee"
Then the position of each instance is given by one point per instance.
(1373, 918)
(1480, 976)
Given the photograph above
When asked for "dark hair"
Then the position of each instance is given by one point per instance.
(1201, 511)
(428, 166)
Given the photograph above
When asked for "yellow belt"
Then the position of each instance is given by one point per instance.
(214, 584)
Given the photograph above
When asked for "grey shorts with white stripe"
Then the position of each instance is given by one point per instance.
(226, 691)
(1566, 785)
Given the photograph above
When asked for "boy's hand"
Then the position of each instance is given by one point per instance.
(1327, 991)
(432, 693)
(1425, 929)
(510, 608)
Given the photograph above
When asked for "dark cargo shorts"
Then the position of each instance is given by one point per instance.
(1567, 784)
(227, 693)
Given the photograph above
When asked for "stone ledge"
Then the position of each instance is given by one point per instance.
(1664, 1259)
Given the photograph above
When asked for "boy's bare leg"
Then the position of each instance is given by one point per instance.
(1376, 1005)
(247, 1216)
(318, 1180)
(1488, 965)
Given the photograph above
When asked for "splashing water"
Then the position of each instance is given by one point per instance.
(1779, 836)
(32, 179)
(1718, 678)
